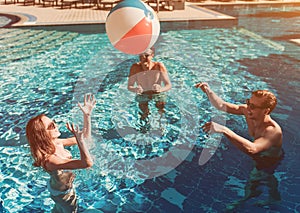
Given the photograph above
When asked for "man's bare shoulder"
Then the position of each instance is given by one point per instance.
(160, 66)
(135, 68)
(273, 126)
(243, 108)
(273, 131)
(136, 65)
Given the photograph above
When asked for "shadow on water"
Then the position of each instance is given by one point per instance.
(119, 74)
(283, 14)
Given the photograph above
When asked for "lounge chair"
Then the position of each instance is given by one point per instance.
(25, 2)
(160, 3)
(69, 3)
(102, 4)
(49, 2)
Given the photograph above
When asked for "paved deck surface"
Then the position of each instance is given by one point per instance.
(38, 15)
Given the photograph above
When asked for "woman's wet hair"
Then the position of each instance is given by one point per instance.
(39, 140)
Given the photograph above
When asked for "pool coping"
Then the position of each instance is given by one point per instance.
(192, 16)
(194, 13)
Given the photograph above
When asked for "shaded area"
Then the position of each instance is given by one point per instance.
(286, 37)
(284, 14)
(285, 72)
(286, 69)
(117, 75)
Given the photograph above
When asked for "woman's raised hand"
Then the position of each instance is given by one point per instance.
(75, 130)
(89, 104)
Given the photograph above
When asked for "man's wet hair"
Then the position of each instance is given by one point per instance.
(270, 101)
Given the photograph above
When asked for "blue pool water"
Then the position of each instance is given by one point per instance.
(48, 72)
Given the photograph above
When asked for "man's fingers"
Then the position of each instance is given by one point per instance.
(206, 127)
(198, 85)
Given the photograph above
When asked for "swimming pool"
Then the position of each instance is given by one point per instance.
(48, 71)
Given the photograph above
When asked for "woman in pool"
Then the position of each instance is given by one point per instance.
(49, 153)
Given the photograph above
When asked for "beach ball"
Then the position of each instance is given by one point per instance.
(132, 26)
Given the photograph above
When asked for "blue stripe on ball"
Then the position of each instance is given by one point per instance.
(130, 3)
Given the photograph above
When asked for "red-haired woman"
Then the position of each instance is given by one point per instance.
(49, 153)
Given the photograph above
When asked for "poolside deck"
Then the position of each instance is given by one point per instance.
(38, 15)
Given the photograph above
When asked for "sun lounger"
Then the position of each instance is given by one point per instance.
(102, 4)
(69, 3)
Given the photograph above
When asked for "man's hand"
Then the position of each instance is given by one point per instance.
(202, 85)
(139, 89)
(212, 127)
(156, 88)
